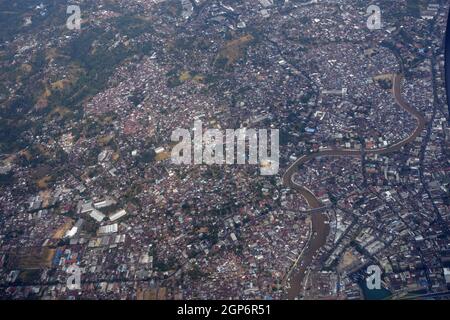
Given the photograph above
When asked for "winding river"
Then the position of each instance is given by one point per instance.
(320, 227)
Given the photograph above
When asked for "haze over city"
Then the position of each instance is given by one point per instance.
(224, 150)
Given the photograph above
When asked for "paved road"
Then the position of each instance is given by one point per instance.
(320, 227)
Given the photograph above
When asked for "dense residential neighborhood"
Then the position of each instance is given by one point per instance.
(87, 179)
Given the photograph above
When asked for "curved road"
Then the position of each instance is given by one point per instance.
(320, 227)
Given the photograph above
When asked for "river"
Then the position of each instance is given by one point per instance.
(320, 227)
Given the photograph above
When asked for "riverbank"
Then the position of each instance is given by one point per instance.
(320, 226)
